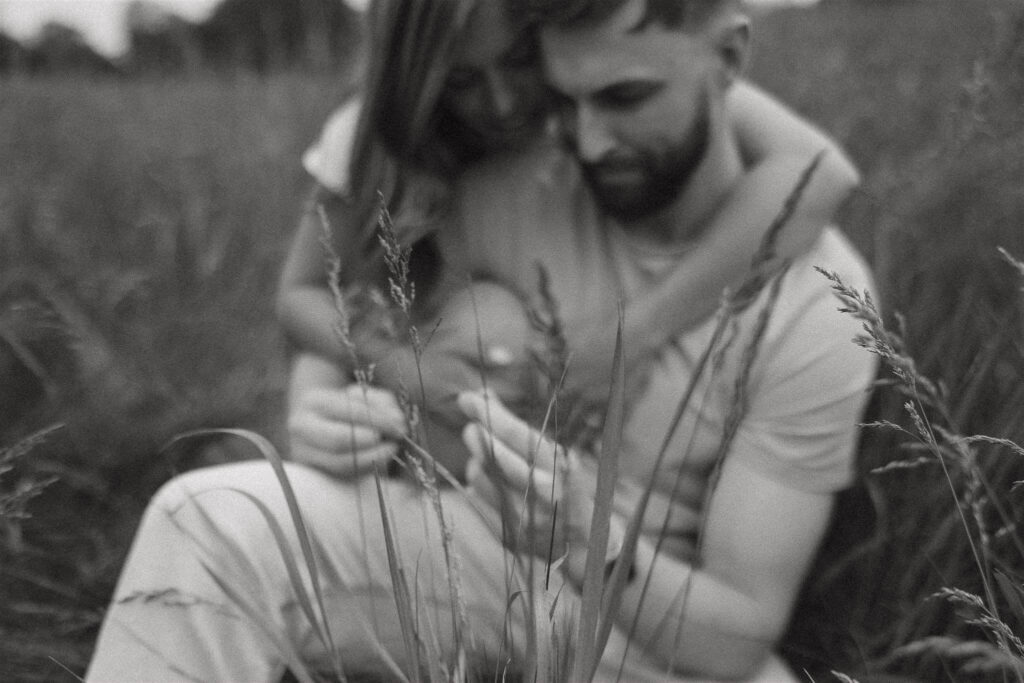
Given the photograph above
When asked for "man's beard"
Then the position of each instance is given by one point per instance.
(663, 174)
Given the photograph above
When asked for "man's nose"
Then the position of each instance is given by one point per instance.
(501, 95)
(591, 135)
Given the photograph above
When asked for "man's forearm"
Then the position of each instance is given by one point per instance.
(691, 622)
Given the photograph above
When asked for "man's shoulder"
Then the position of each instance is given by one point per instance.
(831, 252)
(810, 379)
(809, 281)
(806, 320)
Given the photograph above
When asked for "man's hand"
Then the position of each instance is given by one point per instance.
(345, 431)
(538, 479)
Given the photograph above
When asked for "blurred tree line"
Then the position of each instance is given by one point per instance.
(248, 35)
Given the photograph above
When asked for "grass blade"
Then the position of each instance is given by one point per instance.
(291, 566)
(367, 623)
(238, 598)
(290, 655)
(403, 601)
(271, 455)
(171, 666)
(589, 653)
(434, 658)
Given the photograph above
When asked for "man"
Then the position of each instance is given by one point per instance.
(641, 85)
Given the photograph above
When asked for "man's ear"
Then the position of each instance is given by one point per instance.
(732, 42)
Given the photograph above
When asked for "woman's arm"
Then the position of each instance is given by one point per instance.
(305, 305)
(777, 147)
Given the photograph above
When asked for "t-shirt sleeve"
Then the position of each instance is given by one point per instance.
(328, 159)
(810, 389)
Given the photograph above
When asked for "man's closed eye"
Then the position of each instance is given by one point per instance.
(627, 95)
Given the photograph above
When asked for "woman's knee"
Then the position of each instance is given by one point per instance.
(234, 503)
(247, 502)
(185, 489)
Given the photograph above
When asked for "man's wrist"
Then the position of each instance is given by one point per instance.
(577, 560)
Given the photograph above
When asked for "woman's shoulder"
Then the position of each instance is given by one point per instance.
(327, 161)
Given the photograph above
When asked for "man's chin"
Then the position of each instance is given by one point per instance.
(626, 213)
(622, 204)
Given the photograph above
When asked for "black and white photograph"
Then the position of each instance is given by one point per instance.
(512, 340)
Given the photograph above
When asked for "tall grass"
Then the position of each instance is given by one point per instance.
(979, 508)
(141, 230)
(600, 592)
(933, 218)
(16, 495)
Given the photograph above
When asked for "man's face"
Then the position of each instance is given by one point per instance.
(636, 107)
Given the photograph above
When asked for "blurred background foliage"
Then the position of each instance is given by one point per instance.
(251, 35)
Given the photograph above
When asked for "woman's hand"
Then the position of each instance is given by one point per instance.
(528, 477)
(345, 431)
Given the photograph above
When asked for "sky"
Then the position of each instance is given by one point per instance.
(100, 21)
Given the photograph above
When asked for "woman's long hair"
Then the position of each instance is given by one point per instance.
(398, 158)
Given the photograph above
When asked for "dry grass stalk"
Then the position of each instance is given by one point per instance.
(958, 459)
(14, 499)
(403, 294)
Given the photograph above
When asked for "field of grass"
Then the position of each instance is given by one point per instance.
(142, 223)
(151, 217)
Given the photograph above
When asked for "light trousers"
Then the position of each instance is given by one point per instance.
(205, 594)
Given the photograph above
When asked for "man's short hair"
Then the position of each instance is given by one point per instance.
(581, 13)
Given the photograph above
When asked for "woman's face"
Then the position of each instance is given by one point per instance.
(494, 90)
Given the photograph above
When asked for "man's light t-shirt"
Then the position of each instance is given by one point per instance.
(807, 383)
